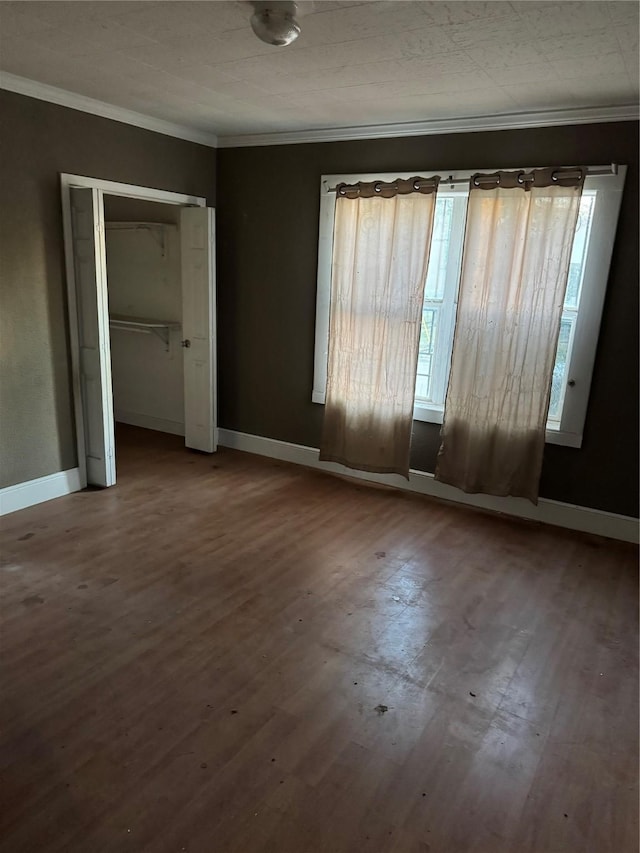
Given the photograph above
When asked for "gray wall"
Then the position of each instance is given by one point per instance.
(267, 259)
(38, 141)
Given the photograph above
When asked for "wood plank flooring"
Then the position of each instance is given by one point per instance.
(233, 655)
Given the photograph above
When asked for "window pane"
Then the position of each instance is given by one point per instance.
(579, 251)
(425, 353)
(439, 254)
(559, 370)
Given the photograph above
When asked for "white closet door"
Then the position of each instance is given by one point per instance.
(198, 326)
(89, 259)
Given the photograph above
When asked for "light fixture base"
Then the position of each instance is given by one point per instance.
(275, 22)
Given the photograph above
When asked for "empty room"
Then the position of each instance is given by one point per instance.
(319, 427)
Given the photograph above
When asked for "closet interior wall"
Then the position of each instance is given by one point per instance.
(145, 309)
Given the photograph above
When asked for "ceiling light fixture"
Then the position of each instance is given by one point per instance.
(275, 23)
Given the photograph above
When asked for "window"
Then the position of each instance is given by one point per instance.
(588, 273)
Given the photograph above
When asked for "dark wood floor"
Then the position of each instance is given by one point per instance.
(232, 655)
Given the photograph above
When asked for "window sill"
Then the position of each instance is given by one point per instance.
(435, 414)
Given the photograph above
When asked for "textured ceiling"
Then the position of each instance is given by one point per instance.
(199, 64)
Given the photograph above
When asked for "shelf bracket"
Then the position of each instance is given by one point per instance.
(164, 335)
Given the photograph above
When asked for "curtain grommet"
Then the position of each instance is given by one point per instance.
(556, 176)
(478, 184)
(377, 187)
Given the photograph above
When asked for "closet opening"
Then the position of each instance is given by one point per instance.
(141, 289)
(144, 289)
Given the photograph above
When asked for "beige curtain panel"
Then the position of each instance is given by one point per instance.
(515, 267)
(380, 256)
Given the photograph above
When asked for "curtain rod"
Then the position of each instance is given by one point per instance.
(567, 172)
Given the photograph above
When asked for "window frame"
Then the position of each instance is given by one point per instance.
(586, 328)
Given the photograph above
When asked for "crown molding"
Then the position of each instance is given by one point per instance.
(512, 121)
(429, 127)
(43, 92)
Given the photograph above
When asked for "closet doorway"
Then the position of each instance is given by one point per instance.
(141, 291)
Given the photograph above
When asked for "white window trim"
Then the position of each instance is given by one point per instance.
(587, 326)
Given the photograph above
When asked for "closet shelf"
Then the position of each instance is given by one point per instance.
(145, 325)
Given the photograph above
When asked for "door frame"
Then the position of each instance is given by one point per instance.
(67, 183)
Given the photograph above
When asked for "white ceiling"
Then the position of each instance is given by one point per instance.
(198, 64)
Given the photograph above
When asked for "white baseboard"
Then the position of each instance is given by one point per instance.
(149, 422)
(586, 519)
(22, 495)
(560, 514)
